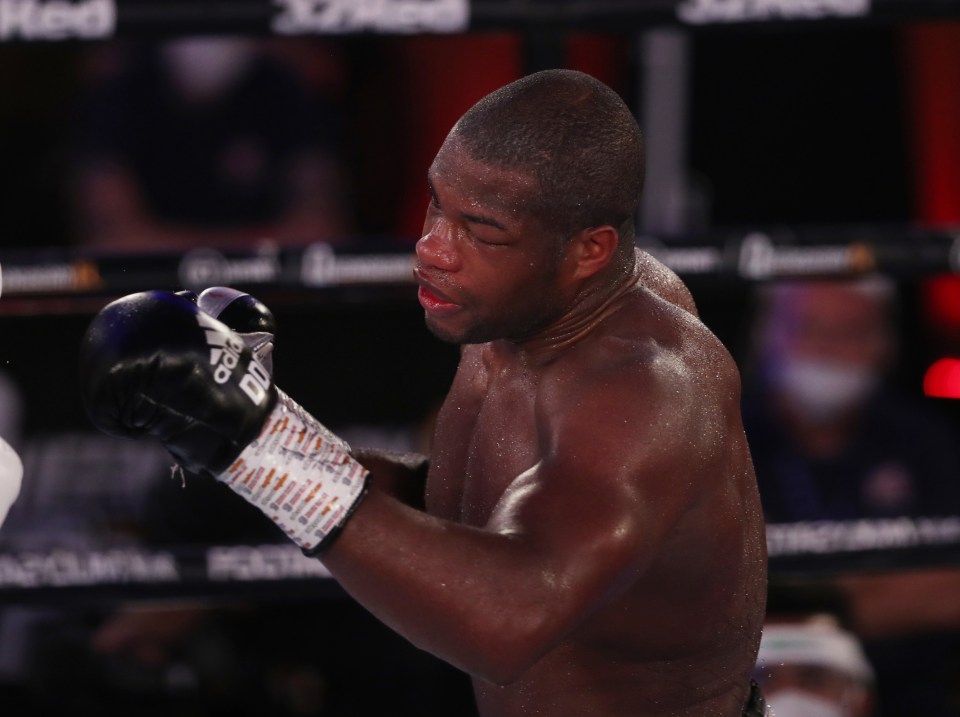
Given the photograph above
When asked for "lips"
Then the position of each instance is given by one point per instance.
(433, 300)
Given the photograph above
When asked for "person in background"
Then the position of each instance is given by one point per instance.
(833, 440)
(205, 141)
(814, 668)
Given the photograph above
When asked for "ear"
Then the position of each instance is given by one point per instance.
(590, 250)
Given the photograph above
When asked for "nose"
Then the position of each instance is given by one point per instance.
(437, 248)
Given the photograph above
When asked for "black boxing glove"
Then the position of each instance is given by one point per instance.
(154, 364)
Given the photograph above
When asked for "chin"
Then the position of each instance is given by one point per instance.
(469, 335)
(444, 334)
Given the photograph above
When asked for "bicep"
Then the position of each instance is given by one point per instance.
(597, 509)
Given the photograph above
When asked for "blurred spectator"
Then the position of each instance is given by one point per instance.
(205, 141)
(832, 440)
(814, 668)
(810, 663)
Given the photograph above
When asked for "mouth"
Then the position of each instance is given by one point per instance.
(431, 299)
(434, 303)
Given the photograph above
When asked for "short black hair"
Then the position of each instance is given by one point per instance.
(575, 135)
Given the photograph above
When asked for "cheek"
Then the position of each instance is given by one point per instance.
(510, 286)
(507, 275)
(528, 303)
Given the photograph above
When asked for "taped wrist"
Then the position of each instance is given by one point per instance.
(300, 475)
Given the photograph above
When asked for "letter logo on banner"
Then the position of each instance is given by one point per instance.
(57, 19)
(202, 267)
(300, 17)
(699, 12)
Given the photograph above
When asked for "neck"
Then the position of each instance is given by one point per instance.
(593, 301)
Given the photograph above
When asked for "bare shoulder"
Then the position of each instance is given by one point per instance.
(662, 281)
(653, 347)
(655, 381)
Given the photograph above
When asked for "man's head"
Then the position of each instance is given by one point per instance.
(574, 136)
(533, 194)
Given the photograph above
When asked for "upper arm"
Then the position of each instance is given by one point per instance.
(611, 484)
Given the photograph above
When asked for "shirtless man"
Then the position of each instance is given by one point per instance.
(589, 540)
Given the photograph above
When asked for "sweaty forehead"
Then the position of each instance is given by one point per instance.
(480, 184)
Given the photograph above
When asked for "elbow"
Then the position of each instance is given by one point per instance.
(504, 655)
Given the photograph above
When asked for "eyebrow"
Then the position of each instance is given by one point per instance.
(471, 218)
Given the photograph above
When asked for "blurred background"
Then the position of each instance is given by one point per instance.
(803, 178)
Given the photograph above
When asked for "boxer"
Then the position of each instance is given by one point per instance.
(586, 537)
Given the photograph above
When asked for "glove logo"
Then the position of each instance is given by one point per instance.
(225, 350)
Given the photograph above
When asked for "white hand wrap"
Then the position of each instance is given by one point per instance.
(299, 474)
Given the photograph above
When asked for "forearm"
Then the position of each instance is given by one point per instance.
(400, 475)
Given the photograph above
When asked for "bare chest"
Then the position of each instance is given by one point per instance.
(486, 436)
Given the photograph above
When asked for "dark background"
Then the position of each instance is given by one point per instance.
(788, 127)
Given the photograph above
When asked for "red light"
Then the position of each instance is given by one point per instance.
(941, 302)
(942, 379)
